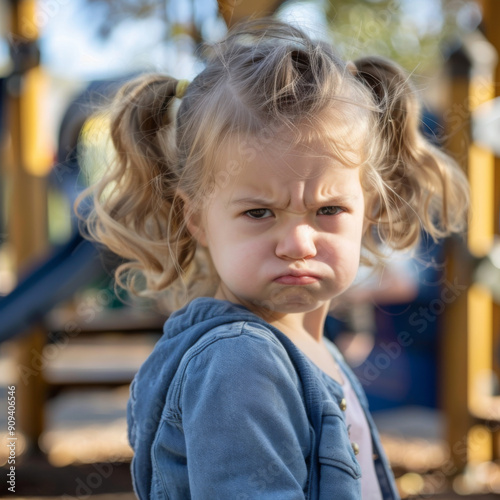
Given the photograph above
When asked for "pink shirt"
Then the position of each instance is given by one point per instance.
(359, 434)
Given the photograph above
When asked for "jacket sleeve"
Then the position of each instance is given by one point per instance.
(246, 429)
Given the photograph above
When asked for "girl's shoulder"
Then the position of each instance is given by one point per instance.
(235, 356)
(244, 343)
(238, 332)
(239, 365)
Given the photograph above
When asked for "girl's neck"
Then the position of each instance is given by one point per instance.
(308, 325)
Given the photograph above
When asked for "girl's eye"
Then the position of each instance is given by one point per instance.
(330, 210)
(259, 213)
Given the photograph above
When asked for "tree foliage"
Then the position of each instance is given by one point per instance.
(413, 32)
(114, 12)
(417, 34)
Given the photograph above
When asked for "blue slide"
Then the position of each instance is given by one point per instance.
(78, 262)
(54, 280)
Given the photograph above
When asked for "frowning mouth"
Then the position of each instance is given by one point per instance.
(297, 278)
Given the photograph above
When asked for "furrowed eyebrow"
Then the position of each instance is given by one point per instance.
(337, 200)
(251, 202)
(263, 202)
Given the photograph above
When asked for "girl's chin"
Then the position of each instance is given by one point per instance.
(289, 302)
(285, 300)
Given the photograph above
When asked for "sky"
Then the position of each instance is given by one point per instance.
(70, 48)
(69, 45)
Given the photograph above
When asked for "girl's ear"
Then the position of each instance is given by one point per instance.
(194, 219)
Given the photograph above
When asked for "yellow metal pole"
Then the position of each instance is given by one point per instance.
(454, 387)
(491, 14)
(27, 225)
(468, 346)
(234, 11)
(480, 240)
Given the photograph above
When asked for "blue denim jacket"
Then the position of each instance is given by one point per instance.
(227, 407)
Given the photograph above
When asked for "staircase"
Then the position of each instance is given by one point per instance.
(86, 370)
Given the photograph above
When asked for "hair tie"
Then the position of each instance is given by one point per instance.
(180, 88)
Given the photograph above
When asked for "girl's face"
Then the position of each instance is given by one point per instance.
(283, 228)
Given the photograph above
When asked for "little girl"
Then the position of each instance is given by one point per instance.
(282, 164)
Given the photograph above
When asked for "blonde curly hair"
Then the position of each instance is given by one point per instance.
(265, 80)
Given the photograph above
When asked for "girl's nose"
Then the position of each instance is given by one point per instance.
(297, 242)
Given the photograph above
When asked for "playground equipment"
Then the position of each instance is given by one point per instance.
(472, 319)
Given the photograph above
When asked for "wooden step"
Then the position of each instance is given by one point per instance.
(93, 317)
(106, 359)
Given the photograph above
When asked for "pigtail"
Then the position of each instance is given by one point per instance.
(136, 212)
(270, 82)
(419, 186)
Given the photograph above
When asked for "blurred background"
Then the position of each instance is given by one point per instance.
(422, 336)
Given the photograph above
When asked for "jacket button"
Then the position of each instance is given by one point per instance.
(355, 448)
(343, 404)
